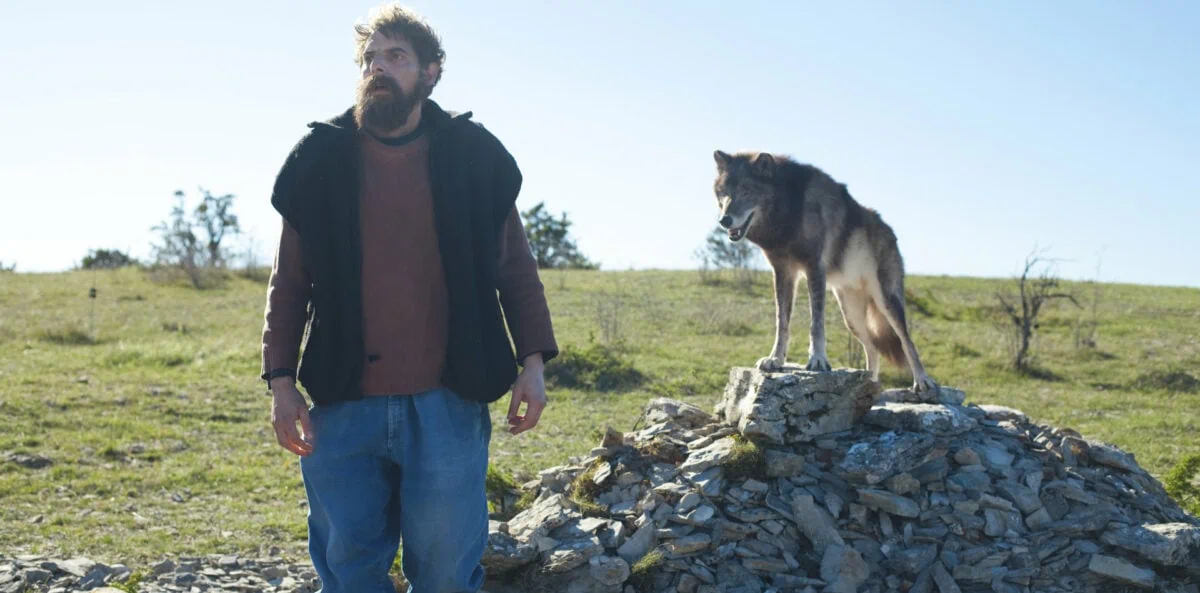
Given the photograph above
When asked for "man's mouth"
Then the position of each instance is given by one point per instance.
(736, 233)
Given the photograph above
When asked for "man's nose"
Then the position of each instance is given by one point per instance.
(726, 221)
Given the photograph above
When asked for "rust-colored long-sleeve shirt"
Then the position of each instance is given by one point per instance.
(404, 294)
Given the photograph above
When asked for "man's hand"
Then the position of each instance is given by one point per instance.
(530, 388)
(288, 407)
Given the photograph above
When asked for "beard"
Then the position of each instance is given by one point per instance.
(388, 110)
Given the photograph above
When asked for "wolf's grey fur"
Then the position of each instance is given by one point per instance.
(806, 223)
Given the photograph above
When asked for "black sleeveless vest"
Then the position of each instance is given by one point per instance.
(475, 182)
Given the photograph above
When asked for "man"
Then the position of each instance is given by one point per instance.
(399, 229)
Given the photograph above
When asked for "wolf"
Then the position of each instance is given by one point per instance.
(806, 223)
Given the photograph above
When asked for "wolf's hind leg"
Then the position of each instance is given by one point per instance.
(853, 303)
(893, 309)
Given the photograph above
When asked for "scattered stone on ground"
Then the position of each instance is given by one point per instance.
(214, 573)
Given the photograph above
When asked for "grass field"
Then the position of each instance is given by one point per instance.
(156, 426)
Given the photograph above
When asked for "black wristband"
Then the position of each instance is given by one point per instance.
(277, 373)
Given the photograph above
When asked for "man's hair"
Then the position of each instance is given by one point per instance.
(397, 21)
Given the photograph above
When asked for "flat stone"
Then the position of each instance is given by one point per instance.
(708, 457)
(502, 553)
(765, 565)
(700, 517)
(872, 462)
(996, 458)
(755, 486)
(941, 577)
(948, 396)
(638, 544)
(903, 484)
(544, 516)
(967, 456)
(971, 481)
(1168, 544)
(815, 523)
(1111, 456)
(933, 419)
(1022, 496)
(912, 561)
(1038, 519)
(688, 502)
(1003, 414)
(608, 570)
(994, 502)
(569, 555)
(996, 525)
(781, 464)
(844, 569)
(664, 409)
(1120, 570)
(689, 544)
(795, 405)
(891, 503)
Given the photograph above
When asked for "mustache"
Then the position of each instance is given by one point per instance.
(379, 81)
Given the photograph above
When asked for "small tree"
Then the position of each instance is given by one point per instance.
(720, 253)
(214, 216)
(106, 259)
(12, 267)
(549, 239)
(1023, 309)
(181, 247)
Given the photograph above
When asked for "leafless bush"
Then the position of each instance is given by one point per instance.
(608, 309)
(1021, 310)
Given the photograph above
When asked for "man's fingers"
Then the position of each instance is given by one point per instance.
(533, 412)
(515, 405)
(286, 432)
(306, 425)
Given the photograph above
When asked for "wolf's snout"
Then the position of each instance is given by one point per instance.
(726, 221)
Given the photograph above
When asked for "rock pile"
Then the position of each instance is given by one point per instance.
(814, 482)
(183, 575)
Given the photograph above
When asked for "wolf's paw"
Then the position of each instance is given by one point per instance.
(769, 364)
(818, 364)
(924, 384)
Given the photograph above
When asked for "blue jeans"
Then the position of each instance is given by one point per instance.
(387, 466)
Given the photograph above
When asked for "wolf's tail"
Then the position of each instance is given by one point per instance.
(884, 338)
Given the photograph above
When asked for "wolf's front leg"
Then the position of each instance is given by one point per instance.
(785, 295)
(817, 359)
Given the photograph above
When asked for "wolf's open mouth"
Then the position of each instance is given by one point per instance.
(736, 234)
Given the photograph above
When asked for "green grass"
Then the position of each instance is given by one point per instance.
(158, 428)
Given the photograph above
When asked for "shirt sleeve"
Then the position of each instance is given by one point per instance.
(288, 293)
(522, 294)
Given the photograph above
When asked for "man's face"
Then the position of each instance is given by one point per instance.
(392, 83)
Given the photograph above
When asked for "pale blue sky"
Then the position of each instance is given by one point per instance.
(976, 128)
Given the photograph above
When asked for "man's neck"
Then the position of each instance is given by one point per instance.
(410, 126)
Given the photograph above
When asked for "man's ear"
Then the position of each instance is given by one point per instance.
(722, 158)
(764, 163)
(431, 74)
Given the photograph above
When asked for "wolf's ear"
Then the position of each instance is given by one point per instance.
(723, 159)
(764, 163)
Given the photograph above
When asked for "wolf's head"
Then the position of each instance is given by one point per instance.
(743, 188)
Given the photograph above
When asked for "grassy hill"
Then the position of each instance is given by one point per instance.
(157, 429)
